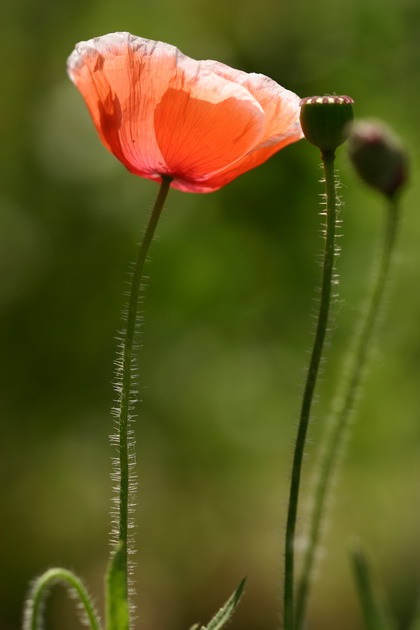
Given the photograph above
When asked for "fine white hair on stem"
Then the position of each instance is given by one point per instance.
(120, 577)
(326, 299)
(134, 399)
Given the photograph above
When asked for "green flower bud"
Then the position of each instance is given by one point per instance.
(325, 121)
(378, 156)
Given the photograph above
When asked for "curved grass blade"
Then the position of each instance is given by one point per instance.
(35, 604)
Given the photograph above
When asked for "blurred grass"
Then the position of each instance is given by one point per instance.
(227, 321)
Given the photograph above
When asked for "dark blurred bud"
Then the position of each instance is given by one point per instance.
(378, 156)
(325, 120)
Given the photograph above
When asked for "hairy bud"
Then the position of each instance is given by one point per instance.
(378, 156)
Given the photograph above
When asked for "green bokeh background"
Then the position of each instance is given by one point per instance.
(228, 317)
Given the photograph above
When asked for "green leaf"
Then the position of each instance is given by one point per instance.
(374, 610)
(225, 614)
(117, 606)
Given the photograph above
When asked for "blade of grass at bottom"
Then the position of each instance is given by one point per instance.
(225, 614)
(117, 591)
(374, 609)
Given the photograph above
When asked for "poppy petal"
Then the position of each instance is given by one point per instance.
(199, 137)
(281, 122)
(281, 106)
(159, 112)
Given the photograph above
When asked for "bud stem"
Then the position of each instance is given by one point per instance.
(311, 380)
(349, 388)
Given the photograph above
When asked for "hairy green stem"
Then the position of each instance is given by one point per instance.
(118, 609)
(344, 403)
(311, 379)
(34, 606)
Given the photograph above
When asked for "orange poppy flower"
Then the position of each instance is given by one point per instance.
(162, 113)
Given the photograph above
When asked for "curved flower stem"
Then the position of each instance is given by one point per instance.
(311, 379)
(118, 613)
(34, 606)
(343, 406)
